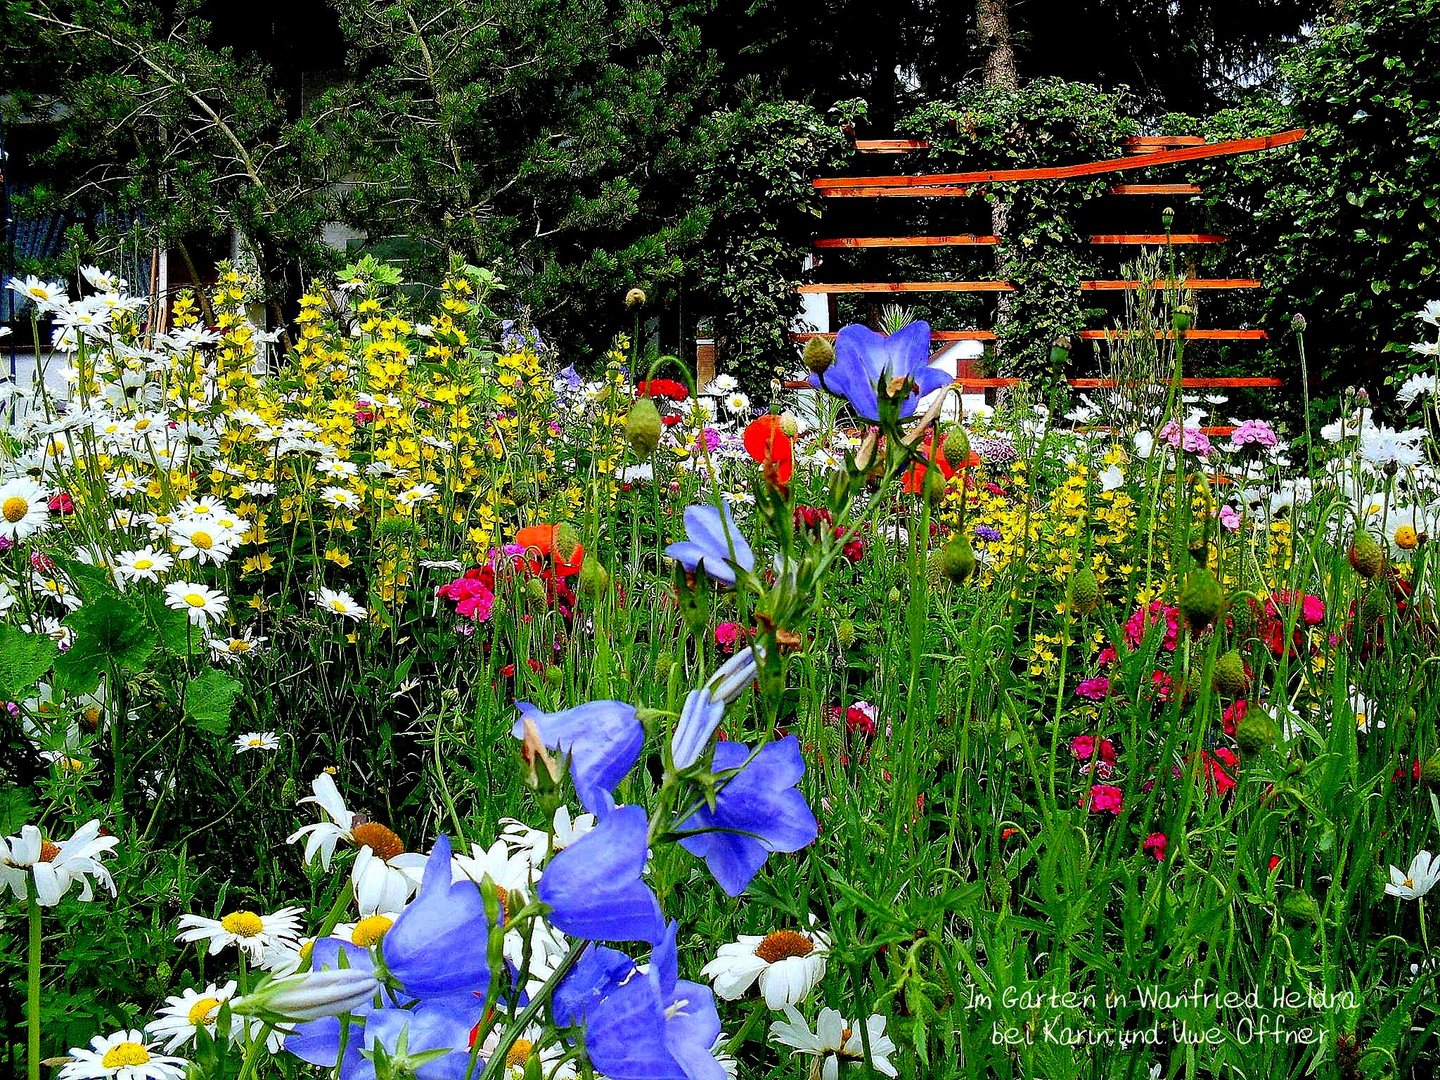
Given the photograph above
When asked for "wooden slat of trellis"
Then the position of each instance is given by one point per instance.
(1068, 172)
(1005, 286)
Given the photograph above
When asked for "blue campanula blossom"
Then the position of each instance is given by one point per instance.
(656, 1026)
(757, 811)
(423, 1028)
(704, 708)
(437, 945)
(866, 362)
(602, 738)
(594, 886)
(318, 1041)
(710, 534)
(598, 972)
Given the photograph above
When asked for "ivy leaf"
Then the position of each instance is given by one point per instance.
(108, 631)
(24, 658)
(209, 699)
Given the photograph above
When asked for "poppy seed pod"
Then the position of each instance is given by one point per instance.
(635, 298)
(819, 355)
(642, 427)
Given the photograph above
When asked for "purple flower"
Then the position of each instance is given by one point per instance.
(437, 945)
(594, 886)
(985, 532)
(1229, 518)
(757, 811)
(603, 741)
(710, 534)
(867, 362)
(656, 1026)
(318, 1041)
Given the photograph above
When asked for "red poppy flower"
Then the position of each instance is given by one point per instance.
(662, 388)
(771, 448)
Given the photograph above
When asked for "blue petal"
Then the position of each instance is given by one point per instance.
(603, 739)
(699, 718)
(599, 972)
(594, 885)
(437, 945)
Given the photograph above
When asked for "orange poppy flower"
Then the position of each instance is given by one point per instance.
(771, 448)
(914, 479)
(541, 539)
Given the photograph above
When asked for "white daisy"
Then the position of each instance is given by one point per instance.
(202, 539)
(1415, 882)
(339, 497)
(508, 869)
(257, 740)
(31, 861)
(737, 403)
(537, 844)
(835, 1040)
(125, 1055)
(246, 930)
(46, 295)
(521, 1050)
(339, 602)
(24, 508)
(203, 605)
(382, 880)
(788, 965)
(1417, 386)
(722, 384)
(1365, 718)
(1384, 447)
(414, 496)
(344, 824)
(232, 650)
(185, 1014)
(1430, 313)
(146, 564)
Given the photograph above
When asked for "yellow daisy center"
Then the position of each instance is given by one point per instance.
(1406, 538)
(14, 508)
(202, 540)
(242, 924)
(202, 1011)
(782, 945)
(125, 1053)
(370, 930)
(144, 564)
(1409, 883)
(194, 599)
(1361, 720)
(48, 851)
(379, 839)
(238, 645)
(338, 605)
(519, 1053)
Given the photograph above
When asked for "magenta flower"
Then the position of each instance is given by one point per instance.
(1103, 797)
(1096, 689)
(1191, 440)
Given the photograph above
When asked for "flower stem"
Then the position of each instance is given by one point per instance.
(32, 1010)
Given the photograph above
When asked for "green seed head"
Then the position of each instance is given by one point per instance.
(1201, 601)
(1366, 556)
(1229, 678)
(643, 427)
(1084, 591)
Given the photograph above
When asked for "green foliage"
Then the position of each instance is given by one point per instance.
(110, 631)
(1042, 249)
(755, 186)
(1344, 227)
(24, 659)
(210, 698)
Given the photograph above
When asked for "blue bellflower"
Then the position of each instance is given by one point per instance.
(757, 811)
(318, 1041)
(594, 887)
(423, 1028)
(603, 739)
(866, 362)
(704, 708)
(710, 532)
(656, 1026)
(595, 975)
(438, 944)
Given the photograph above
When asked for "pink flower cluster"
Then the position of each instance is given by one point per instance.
(1103, 797)
(1254, 432)
(1145, 617)
(1191, 440)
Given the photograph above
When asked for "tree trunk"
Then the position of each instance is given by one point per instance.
(992, 22)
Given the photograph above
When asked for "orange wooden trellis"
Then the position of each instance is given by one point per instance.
(1139, 153)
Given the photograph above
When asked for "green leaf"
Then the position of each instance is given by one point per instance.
(109, 631)
(24, 658)
(209, 699)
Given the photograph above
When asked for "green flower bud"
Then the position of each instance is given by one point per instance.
(819, 355)
(1201, 601)
(1229, 678)
(643, 427)
(1083, 591)
(957, 558)
(1366, 556)
(594, 578)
